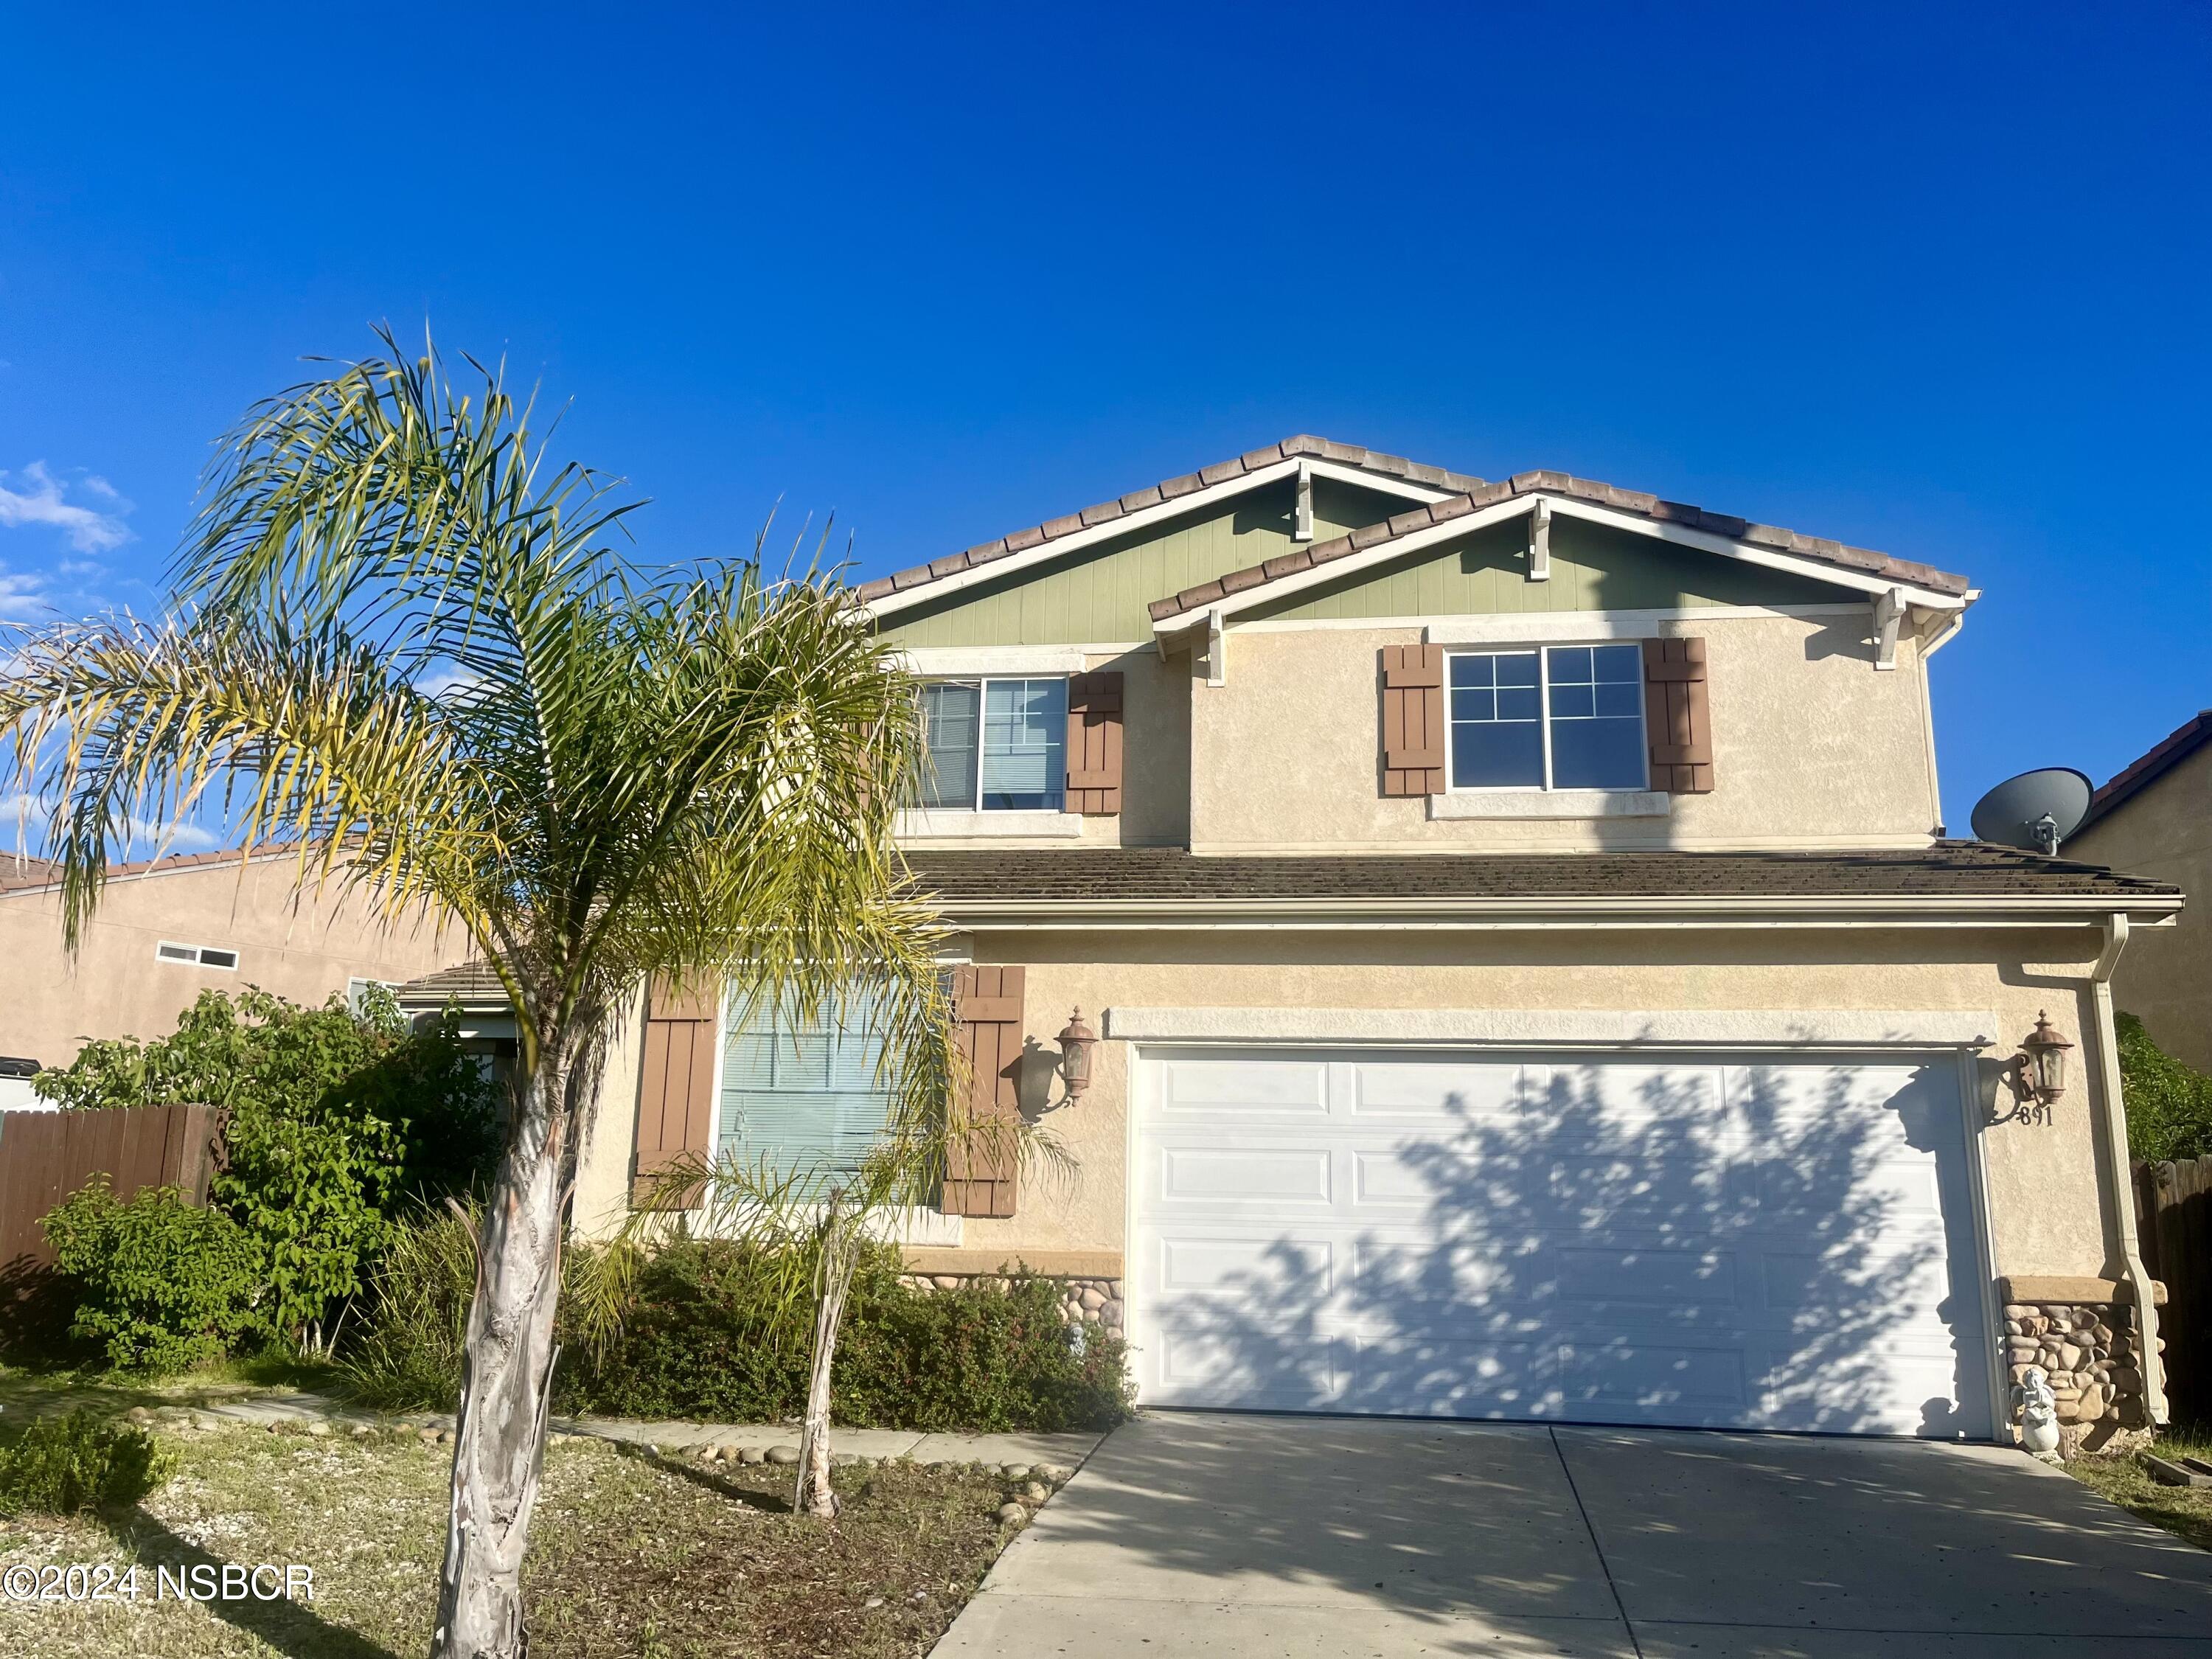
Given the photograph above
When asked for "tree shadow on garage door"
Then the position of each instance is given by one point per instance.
(1682, 1244)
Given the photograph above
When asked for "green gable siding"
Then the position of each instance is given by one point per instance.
(1099, 593)
(1594, 567)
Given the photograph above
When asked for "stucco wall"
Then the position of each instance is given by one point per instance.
(2164, 831)
(1813, 747)
(2042, 1181)
(302, 948)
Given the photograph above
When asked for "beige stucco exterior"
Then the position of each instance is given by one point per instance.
(2164, 831)
(301, 947)
(2042, 1182)
(1813, 747)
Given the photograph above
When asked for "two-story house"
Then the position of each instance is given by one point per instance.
(1531, 977)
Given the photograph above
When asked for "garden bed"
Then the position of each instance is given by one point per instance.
(631, 1555)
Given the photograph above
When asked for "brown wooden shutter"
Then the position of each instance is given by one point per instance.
(1094, 742)
(1412, 719)
(1677, 721)
(676, 1094)
(981, 1165)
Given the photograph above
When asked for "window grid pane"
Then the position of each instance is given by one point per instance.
(1496, 740)
(1562, 717)
(950, 711)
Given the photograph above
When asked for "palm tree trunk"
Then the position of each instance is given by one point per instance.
(841, 1247)
(507, 1378)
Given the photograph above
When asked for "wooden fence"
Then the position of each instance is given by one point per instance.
(2173, 1213)
(46, 1156)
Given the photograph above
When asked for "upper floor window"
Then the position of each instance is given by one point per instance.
(1558, 717)
(996, 745)
(207, 956)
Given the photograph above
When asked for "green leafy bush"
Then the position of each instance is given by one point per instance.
(703, 1339)
(336, 1121)
(67, 1465)
(162, 1285)
(707, 1335)
(408, 1356)
(2169, 1104)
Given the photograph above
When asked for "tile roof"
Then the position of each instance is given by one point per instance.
(1305, 445)
(1792, 541)
(1951, 869)
(25, 874)
(2160, 758)
(471, 984)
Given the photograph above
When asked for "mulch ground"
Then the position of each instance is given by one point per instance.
(632, 1557)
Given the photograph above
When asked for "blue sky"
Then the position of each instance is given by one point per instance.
(1931, 280)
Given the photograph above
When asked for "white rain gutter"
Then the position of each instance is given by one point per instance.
(2113, 1127)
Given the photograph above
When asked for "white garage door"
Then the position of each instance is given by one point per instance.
(1734, 1242)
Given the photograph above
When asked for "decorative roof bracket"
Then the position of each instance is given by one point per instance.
(1301, 523)
(1540, 542)
(1888, 613)
(1217, 649)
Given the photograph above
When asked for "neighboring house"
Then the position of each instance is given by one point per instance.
(2155, 817)
(1532, 979)
(168, 928)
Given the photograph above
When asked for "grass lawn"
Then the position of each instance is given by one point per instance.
(630, 1559)
(2185, 1510)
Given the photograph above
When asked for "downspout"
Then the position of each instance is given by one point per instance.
(2113, 1127)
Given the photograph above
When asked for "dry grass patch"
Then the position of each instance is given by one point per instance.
(2185, 1511)
(632, 1559)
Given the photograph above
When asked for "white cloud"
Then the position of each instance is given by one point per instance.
(21, 595)
(22, 817)
(44, 501)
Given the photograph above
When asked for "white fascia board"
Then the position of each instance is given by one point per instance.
(987, 659)
(1517, 915)
(1519, 506)
(1143, 519)
(1757, 1029)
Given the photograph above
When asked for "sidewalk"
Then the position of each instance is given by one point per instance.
(1067, 1449)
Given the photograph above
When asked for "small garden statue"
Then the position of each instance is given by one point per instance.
(2039, 1414)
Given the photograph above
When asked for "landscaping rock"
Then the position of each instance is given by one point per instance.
(428, 1436)
(752, 1454)
(783, 1454)
(1015, 1471)
(1036, 1492)
(319, 1428)
(1013, 1515)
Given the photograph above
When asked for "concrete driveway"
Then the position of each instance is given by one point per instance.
(1232, 1536)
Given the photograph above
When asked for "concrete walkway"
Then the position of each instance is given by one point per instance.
(1232, 1536)
(1067, 1449)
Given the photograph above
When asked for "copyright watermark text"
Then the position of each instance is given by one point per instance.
(208, 1581)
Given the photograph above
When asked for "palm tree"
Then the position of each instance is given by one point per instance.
(406, 645)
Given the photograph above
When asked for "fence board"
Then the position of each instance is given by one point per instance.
(2174, 1216)
(46, 1156)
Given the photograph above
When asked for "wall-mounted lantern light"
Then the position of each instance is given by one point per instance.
(1077, 1040)
(2037, 1072)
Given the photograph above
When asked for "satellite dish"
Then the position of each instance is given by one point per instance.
(2035, 811)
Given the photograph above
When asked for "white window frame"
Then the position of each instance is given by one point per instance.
(196, 955)
(1543, 649)
(983, 683)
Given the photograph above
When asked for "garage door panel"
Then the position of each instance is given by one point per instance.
(1421, 1092)
(1445, 1378)
(1768, 1244)
(1254, 1267)
(1620, 1381)
(1270, 1088)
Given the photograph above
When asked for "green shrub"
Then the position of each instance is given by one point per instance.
(336, 1121)
(67, 1465)
(2169, 1104)
(162, 1285)
(704, 1340)
(408, 1356)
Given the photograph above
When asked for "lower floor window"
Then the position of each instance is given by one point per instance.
(801, 1092)
(1558, 717)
